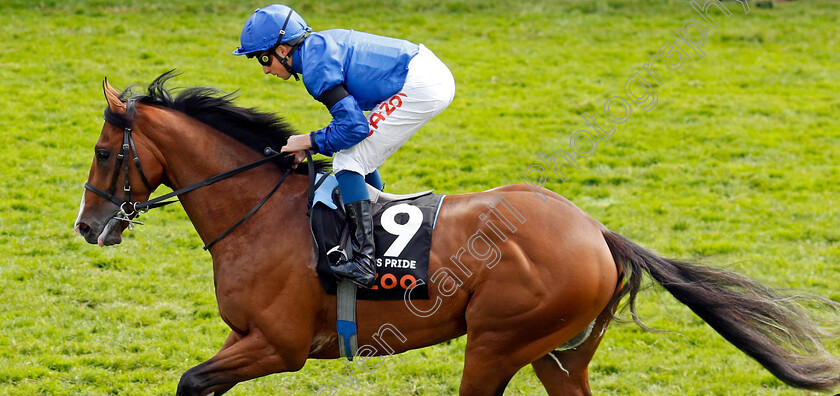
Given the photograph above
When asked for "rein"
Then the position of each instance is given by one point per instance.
(127, 208)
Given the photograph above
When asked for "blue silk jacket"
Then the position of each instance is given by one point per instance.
(371, 68)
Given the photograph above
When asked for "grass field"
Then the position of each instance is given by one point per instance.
(737, 165)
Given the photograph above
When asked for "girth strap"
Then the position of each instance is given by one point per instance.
(346, 315)
(345, 324)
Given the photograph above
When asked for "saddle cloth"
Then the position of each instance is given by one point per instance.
(403, 227)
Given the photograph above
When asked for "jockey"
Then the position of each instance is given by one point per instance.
(401, 84)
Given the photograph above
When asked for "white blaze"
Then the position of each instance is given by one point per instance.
(81, 209)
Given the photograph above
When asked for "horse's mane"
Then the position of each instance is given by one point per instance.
(255, 129)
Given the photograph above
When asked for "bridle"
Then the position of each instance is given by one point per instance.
(126, 206)
(129, 210)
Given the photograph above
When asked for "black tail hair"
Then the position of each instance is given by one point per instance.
(772, 328)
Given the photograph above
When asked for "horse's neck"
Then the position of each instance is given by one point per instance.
(193, 152)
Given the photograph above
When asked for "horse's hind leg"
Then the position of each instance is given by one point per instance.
(492, 358)
(486, 372)
(566, 372)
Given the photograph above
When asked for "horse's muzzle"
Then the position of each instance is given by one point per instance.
(97, 234)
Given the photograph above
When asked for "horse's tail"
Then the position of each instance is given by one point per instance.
(773, 329)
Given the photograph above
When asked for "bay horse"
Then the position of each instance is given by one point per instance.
(556, 273)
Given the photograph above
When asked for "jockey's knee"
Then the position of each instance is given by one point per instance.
(374, 180)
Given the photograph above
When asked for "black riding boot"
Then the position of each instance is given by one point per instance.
(361, 268)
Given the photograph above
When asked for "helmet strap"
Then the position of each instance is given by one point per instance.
(285, 61)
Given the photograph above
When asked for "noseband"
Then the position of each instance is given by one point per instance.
(129, 209)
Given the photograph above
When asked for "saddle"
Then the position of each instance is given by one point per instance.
(403, 226)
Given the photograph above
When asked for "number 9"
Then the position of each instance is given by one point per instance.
(404, 232)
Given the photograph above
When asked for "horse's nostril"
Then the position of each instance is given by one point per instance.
(84, 229)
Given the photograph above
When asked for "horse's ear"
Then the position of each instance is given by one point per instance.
(113, 97)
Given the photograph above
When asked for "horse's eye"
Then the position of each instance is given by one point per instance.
(102, 155)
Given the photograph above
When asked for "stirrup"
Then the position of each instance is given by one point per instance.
(339, 250)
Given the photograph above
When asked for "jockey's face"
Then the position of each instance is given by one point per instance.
(276, 68)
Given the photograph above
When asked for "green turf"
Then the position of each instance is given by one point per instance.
(737, 165)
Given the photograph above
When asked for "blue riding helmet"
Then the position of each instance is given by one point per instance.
(269, 27)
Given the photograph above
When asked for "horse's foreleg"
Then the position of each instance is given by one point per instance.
(232, 338)
(240, 359)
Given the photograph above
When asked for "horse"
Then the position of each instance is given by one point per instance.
(529, 279)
